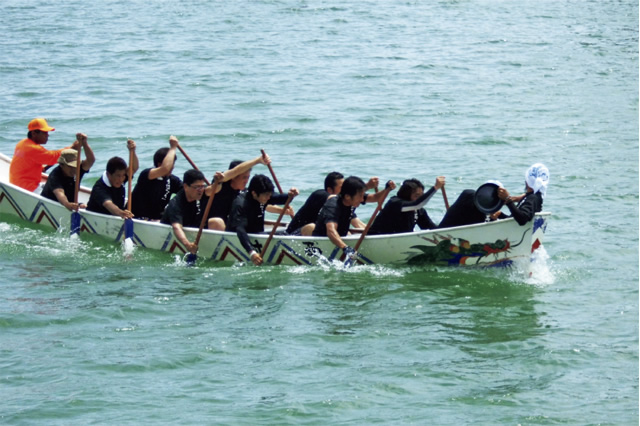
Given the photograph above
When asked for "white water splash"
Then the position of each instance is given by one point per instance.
(128, 247)
(325, 265)
(540, 270)
(376, 270)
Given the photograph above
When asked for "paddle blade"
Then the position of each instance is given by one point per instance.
(128, 228)
(76, 220)
(190, 259)
(351, 257)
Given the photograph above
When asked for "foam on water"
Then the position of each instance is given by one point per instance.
(540, 268)
(128, 248)
(338, 266)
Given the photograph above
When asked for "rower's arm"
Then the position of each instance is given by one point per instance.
(243, 167)
(62, 198)
(166, 166)
(277, 209)
(357, 223)
(380, 195)
(334, 237)
(182, 237)
(218, 178)
(116, 211)
(88, 152)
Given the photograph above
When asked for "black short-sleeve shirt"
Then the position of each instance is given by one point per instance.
(57, 179)
(308, 213)
(400, 215)
(222, 202)
(150, 197)
(186, 213)
(334, 211)
(102, 192)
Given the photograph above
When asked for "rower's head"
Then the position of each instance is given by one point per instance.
(116, 171)
(239, 182)
(411, 190)
(158, 157)
(194, 184)
(352, 192)
(536, 179)
(39, 131)
(333, 183)
(68, 161)
(261, 188)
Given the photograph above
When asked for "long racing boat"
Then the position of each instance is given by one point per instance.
(497, 243)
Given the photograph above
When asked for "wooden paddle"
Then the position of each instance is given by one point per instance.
(192, 257)
(273, 175)
(349, 261)
(128, 223)
(184, 154)
(75, 215)
(444, 195)
(275, 179)
(275, 226)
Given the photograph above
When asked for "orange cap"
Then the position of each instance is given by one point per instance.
(40, 124)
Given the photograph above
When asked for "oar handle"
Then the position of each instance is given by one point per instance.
(275, 227)
(206, 211)
(78, 166)
(444, 195)
(273, 175)
(184, 154)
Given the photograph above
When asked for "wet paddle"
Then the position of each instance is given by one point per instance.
(275, 226)
(273, 175)
(75, 215)
(446, 201)
(128, 223)
(350, 260)
(184, 154)
(192, 257)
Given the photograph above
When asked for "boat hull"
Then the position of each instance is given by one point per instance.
(498, 243)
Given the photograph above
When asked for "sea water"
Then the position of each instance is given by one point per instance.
(472, 90)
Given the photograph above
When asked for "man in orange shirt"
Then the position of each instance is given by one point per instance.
(30, 155)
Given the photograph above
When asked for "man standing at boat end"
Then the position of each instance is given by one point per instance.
(30, 156)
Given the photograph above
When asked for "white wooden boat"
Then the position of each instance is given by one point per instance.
(498, 243)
